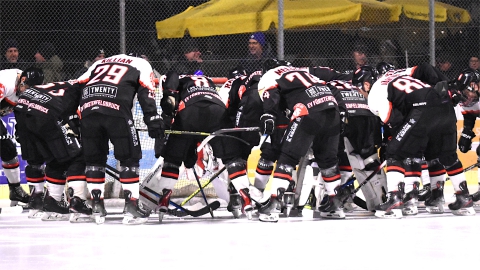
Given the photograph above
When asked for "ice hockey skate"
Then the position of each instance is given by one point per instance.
(410, 201)
(392, 208)
(98, 207)
(463, 204)
(163, 203)
(54, 210)
(240, 202)
(18, 194)
(476, 198)
(80, 211)
(434, 203)
(424, 193)
(269, 212)
(134, 212)
(331, 208)
(35, 204)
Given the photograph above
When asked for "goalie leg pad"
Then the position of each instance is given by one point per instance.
(374, 191)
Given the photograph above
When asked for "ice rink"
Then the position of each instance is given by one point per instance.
(361, 241)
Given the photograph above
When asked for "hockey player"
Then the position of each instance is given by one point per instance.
(362, 134)
(48, 133)
(8, 149)
(110, 86)
(270, 149)
(422, 121)
(244, 109)
(191, 103)
(469, 80)
(315, 121)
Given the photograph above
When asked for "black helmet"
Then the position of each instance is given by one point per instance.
(464, 82)
(383, 67)
(273, 63)
(237, 72)
(33, 76)
(364, 74)
(135, 54)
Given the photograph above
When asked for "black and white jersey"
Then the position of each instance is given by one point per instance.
(58, 100)
(110, 85)
(350, 98)
(193, 88)
(297, 89)
(392, 97)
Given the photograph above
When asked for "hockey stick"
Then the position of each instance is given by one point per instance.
(473, 166)
(200, 212)
(201, 190)
(194, 213)
(343, 195)
(213, 177)
(199, 133)
(221, 132)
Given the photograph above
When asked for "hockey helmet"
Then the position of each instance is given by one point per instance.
(467, 84)
(364, 74)
(32, 75)
(383, 67)
(237, 72)
(273, 63)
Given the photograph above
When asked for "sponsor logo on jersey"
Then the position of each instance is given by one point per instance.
(100, 90)
(317, 90)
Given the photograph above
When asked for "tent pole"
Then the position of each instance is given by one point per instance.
(122, 26)
(432, 31)
(280, 32)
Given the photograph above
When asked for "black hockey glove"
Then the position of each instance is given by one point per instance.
(155, 125)
(268, 123)
(465, 142)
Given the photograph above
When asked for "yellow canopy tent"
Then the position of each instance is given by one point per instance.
(225, 17)
(419, 10)
(414, 21)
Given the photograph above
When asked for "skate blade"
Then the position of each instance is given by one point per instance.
(273, 217)
(333, 215)
(129, 220)
(435, 209)
(99, 219)
(51, 216)
(160, 216)
(288, 209)
(394, 213)
(249, 215)
(81, 218)
(469, 211)
(34, 213)
(236, 213)
(410, 211)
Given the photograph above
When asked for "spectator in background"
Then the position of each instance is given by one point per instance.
(12, 58)
(47, 59)
(257, 53)
(359, 57)
(191, 61)
(445, 65)
(99, 54)
(473, 63)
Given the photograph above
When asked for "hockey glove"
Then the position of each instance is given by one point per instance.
(465, 142)
(155, 125)
(268, 123)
